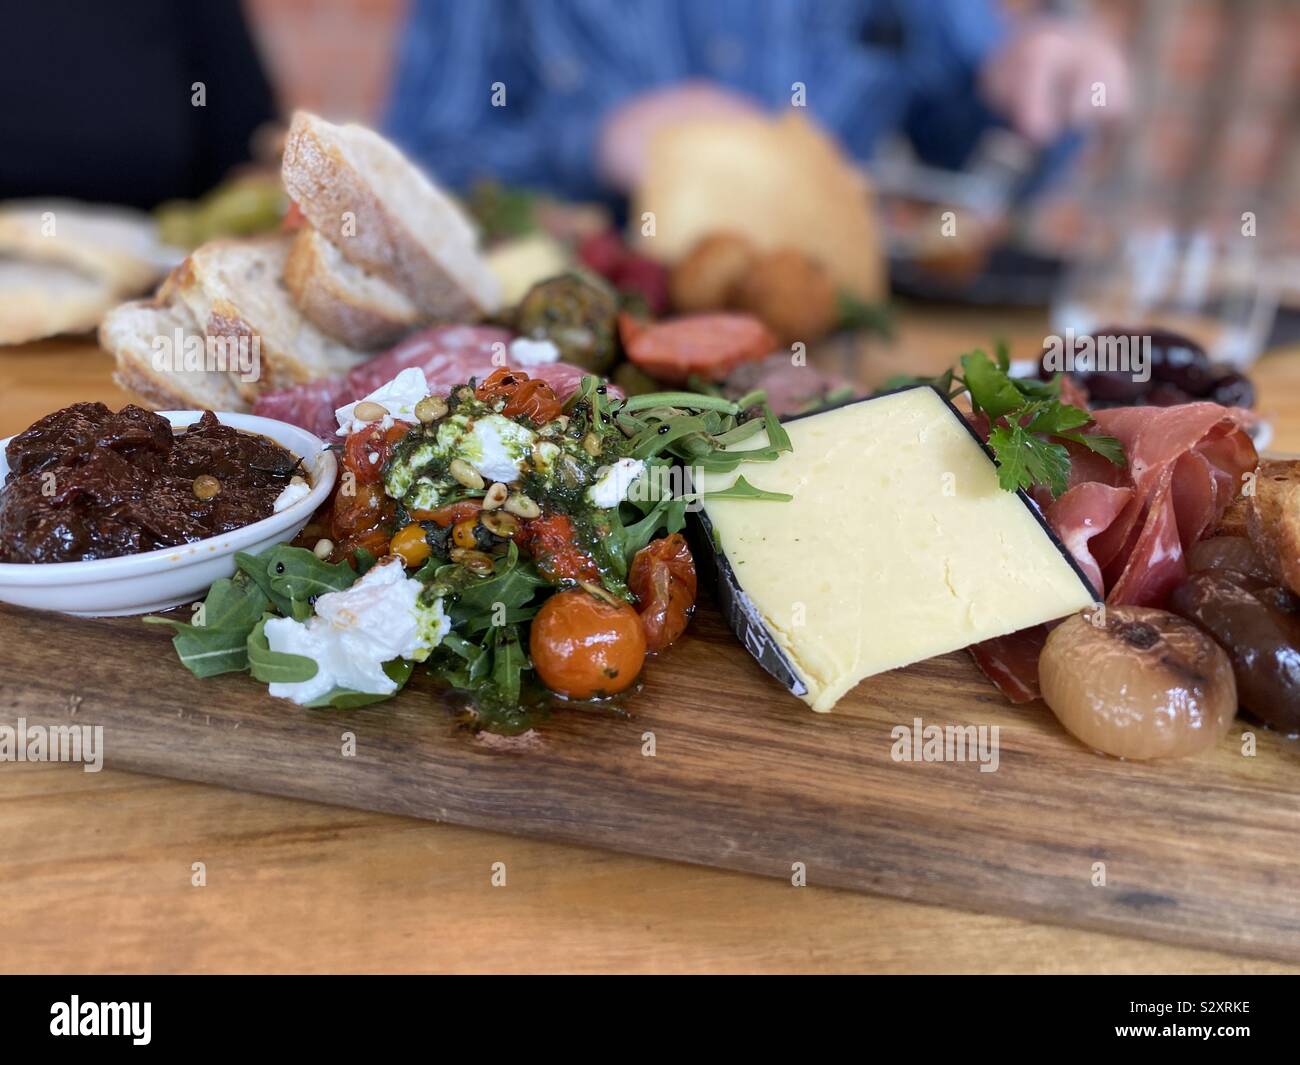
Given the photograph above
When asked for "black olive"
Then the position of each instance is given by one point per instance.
(1165, 395)
(1179, 361)
(1260, 630)
(1233, 390)
(279, 567)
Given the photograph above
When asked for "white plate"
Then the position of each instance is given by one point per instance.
(156, 580)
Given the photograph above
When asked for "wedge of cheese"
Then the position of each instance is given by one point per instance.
(899, 545)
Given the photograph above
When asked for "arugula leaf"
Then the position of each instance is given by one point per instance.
(232, 607)
(398, 671)
(513, 584)
(777, 437)
(508, 663)
(276, 666)
(742, 489)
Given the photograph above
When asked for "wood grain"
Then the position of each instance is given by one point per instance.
(95, 868)
(744, 777)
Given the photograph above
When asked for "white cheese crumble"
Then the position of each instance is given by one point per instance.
(524, 351)
(613, 482)
(292, 492)
(357, 630)
(493, 444)
(398, 396)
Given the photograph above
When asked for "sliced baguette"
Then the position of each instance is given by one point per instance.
(364, 196)
(235, 288)
(130, 333)
(45, 300)
(1273, 519)
(112, 244)
(344, 300)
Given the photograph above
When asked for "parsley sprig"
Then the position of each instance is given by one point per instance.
(1027, 421)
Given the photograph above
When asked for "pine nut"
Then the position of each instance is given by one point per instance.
(430, 409)
(463, 472)
(499, 523)
(495, 496)
(369, 411)
(523, 507)
(324, 548)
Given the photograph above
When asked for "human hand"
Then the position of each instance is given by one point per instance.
(1050, 75)
(623, 144)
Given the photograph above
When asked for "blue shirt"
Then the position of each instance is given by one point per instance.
(868, 67)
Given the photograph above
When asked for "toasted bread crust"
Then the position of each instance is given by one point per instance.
(330, 302)
(1233, 521)
(1273, 519)
(125, 334)
(328, 189)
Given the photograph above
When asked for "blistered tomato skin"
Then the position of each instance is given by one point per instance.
(1138, 683)
(584, 647)
(662, 578)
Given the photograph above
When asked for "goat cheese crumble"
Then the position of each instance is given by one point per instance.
(398, 396)
(357, 630)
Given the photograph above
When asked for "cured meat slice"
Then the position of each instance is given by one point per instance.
(448, 355)
(1129, 529)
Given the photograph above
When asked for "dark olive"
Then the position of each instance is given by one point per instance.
(1180, 361)
(1235, 553)
(1165, 395)
(1117, 386)
(1260, 630)
(1233, 390)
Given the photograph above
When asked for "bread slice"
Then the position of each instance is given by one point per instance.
(1273, 518)
(115, 245)
(235, 289)
(131, 333)
(364, 196)
(344, 300)
(44, 300)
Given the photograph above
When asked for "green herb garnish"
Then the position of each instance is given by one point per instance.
(1027, 420)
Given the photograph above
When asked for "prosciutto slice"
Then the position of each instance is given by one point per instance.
(1129, 529)
(449, 355)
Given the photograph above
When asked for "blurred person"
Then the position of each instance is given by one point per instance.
(586, 83)
(98, 100)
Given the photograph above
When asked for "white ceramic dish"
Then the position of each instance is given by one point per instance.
(156, 580)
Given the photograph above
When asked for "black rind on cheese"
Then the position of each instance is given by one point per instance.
(741, 614)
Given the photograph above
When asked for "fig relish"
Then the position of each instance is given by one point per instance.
(86, 482)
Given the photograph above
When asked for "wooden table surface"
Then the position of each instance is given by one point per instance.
(96, 868)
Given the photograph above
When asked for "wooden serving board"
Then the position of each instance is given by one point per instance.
(1203, 851)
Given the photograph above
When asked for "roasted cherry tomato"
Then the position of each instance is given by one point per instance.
(536, 401)
(362, 517)
(584, 647)
(411, 543)
(451, 513)
(524, 398)
(549, 539)
(662, 578)
(500, 383)
(366, 452)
